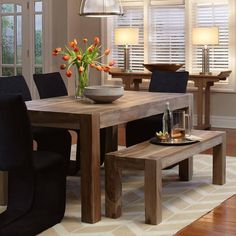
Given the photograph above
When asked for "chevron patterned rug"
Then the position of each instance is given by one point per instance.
(183, 202)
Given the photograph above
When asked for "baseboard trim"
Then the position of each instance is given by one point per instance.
(228, 122)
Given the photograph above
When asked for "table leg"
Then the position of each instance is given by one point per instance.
(186, 169)
(111, 143)
(199, 102)
(90, 168)
(127, 82)
(207, 104)
(136, 84)
(219, 159)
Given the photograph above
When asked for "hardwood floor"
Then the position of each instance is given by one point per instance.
(221, 221)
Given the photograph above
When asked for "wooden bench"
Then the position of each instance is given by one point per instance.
(152, 159)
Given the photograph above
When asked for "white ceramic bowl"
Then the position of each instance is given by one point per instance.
(103, 93)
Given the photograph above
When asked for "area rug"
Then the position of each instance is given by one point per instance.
(183, 202)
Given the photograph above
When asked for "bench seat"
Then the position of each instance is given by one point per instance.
(152, 159)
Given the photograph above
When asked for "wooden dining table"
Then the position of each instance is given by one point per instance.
(203, 83)
(89, 117)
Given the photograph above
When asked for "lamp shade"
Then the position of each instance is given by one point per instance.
(100, 8)
(126, 36)
(206, 36)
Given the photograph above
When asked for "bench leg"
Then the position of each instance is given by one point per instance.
(153, 191)
(219, 163)
(186, 169)
(113, 188)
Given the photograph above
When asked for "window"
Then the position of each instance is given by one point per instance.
(11, 16)
(23, 46)
(38, 37)
(167, 33)
(165, 28)
(133, 18)
(207, 14)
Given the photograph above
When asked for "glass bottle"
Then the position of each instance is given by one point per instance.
(167, 120)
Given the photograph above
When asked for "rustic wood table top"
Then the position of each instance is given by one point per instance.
(202, 82)
(67, 112)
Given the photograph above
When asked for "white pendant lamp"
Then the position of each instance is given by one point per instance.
(100, 8)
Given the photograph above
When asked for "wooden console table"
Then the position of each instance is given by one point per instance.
(201, 81)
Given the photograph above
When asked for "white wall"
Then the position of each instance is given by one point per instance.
(67, 25)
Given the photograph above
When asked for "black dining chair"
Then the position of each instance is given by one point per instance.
(52, 85)
(161, 81)
(48, 139)
(36, 179)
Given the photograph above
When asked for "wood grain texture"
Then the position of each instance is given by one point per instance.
(67, 112)
(90, 168)
(219, 162)
(203, 82)
(113, 189)
(186, 169)
(218, 222)
(172, 154)
(111, 142)
(153, 191)
(152, 159)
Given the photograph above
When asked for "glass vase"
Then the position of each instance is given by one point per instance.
(81, 81)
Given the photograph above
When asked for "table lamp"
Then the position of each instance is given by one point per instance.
(205, 36)
(100, 8)
(126, 37)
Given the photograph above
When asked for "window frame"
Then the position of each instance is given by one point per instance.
(228, 86)
(46, 39)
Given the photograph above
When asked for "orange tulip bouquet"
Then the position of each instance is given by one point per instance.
(74, 55)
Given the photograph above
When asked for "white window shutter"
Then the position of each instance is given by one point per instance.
(167, 34)
(209, 14)
(132, 18)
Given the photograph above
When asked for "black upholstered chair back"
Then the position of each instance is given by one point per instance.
(161, 81)
(15, 85)
(36, 179)
(50, 85)
(169, 81)
(50, 139)
(15, 136)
